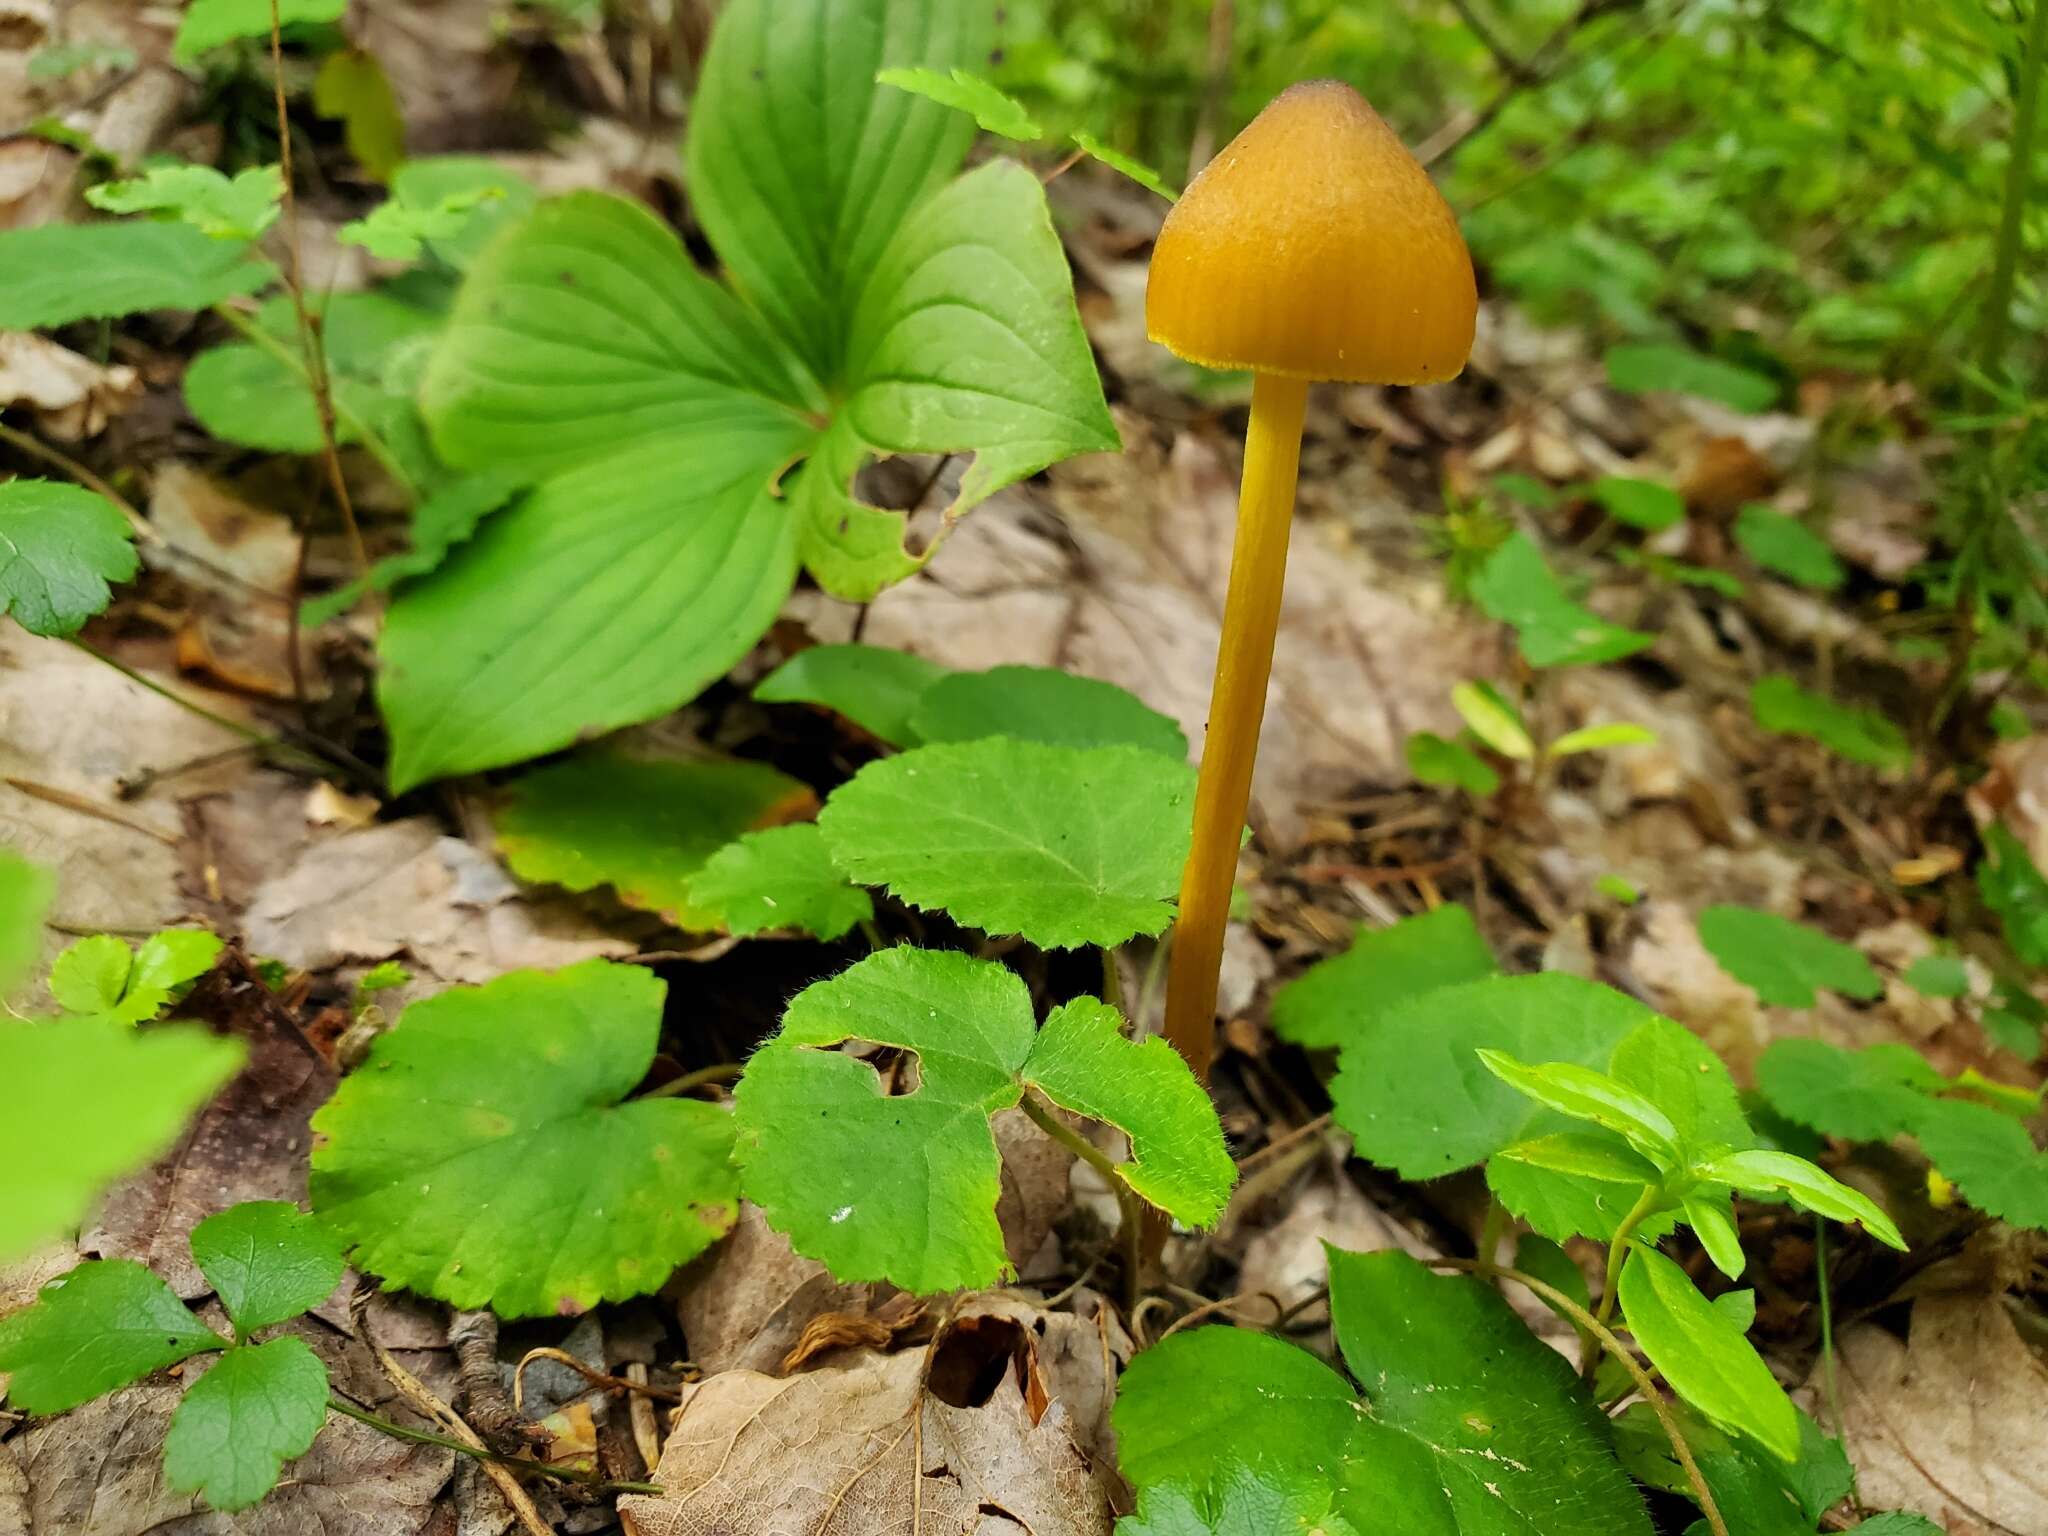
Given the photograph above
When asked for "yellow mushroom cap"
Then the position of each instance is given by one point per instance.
(1316, 247)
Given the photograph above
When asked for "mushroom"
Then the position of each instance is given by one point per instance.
(1313, 247)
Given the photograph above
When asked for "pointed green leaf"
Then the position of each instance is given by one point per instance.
(1678, 1072)
(256, 1409)
(1064, 846)
(1041, 704)
(1516, 587)
(1124, 165)
(1641, 504)
(90, 975)
(1605, 1158)
(60, 549)
(1434, 760)
(53, 274)
(1709, 1217)
(267, 1261)
(1783, 961)
(1585, 1094)
(1762, 1173)
(782, 878)
(531, 1189)
(1493, 719)
(1336, 999)
(1656, 366)
(1786, 547)
(876, 688)
(1859, 735)
(991, 110)
(106, 1323)
(1601, 738)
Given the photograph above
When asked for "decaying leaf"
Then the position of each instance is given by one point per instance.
(72, 397)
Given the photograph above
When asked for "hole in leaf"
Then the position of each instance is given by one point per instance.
(922, 486)
(895, 1069)
(969, 1360)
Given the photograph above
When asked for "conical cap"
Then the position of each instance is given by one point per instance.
(1315, 246)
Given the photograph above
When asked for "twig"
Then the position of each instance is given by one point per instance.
(87, 807)
(1228, 1307)
(589, 1373)
(494, 1415)
(348, 1410)
(689, 1082)
(640, 1413)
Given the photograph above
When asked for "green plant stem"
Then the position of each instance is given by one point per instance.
(689, 1082)
(2012, 219)
(1131, 1213)
(1112, 981)
(1827, 1324)
(349, 1410)
(36, 448)
(1491, 1228)
(1617, 1254)
(1702, 1494)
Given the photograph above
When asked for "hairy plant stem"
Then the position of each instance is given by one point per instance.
(1617, 1255)
(1645, 1384)
(1131, 1211)
(593, 1483)
(2012, 219)
(690, 1082)
(1113, 983)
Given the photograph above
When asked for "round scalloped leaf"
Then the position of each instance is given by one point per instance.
(267, 1261)
(782, 878)
(60, 548)
(1042, 704)
(1783, 961)
(259, 1407)
(1061, 845)
(482, 1154)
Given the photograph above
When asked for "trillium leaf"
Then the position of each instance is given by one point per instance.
(104, 1324)
(1784, 961)
(530, 1188)
(267, 1261)
(60, 549)
(54, 274)
(1061, 845)
(876, 688)
(1041, 704)
(258, 1407)
(779, 878)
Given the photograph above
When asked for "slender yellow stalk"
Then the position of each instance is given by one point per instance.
(1244, 661)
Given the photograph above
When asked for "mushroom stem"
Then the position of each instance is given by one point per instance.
(1244, 661)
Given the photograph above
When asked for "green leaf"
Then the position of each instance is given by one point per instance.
(782, 878)
(104, 1324)
(1547, 1261)
(1641, 369)
(1584, 1094)
(877, 689)
(1897, 1523)
(587, 605)
(1041, 704)
(1713, 1223)
(1619, 889)
(399, 231)
(1411, 1089)
(53, 274)
(903, 1186)
(1860, 735)
(1866, 1095)
(1434, 760)
(801, 168)
(1758, 1494)
(1703, 1355)
(644, 827)
(25, 893)
(1640, 503)
(965, 340)
(1678, 1072)
(532, 1190)
(1493, 720)
(60, 548)
(1939, 976)
(353, 89)
(1739, 1307)
(1063, 846)
(1764, 1173)
(1786, 547)
(212, 23)
(201, 196)
(90, 975)
(267, 1261)
(1989, 1157)
(1336, 1000)
(92, 1100)
(1516, 587)
(1585, 1155)
(498, 199)
(256, 1409)
(133, 988)
(446, 518)
(1561, 1205)
(1784, 961)
(1136, 170)
(2015, 890)
(993, 111)
(1599, 738)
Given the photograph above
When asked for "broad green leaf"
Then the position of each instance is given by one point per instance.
(1599, 738)
(1786, 547)
(1585, 1155)
(1064, 846)
(1703, 1355)
(1557, 1204)
(1784, 961)
(876, 688)
(782, 878)
(212, 23)
(1739, 1307)
(25, 893)
(201, 196)
(1124, 165)
(1712, 1222)
(1758, 1494)
(53, 274)
(1337, 999)
(1678, 1072)
(965, 340)
(104, 1324)
(1585, 1094)
(257, 1408)
(903, 1186)
(90, 975)
(501, 198)
(400, 231)
(1860, 735)
(991, 110)
(60, 549)
(1761, 1172)
(267, 1261)
(1641, 369)
(1939, 976)
(446, 518)
(1493, 720)
(1866, 1095)
(2016, 891)
(588, 605)
(1041, 704)
(1897, 1522)
(165, 962)
(92, 1100)
(1237, 1502)
(1434, 760)
(353, 89)
(531, 1189)
(1640, 503)
(1989, 1157)
(1516, 587)
(645, 827)
(801, 168)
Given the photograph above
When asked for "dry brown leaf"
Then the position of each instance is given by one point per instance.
(73, 397)
(854, 1330)
(2015, 791)
(1952, 1421)
(744, 1305)
(1288, 1261)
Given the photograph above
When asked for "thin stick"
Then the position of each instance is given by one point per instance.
(1112, 981)
(348, 1410)
(589, 1373)
(86, 806)
(1131, 1215)
(36, 448)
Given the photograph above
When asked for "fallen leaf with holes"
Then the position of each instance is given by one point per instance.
(73, 397)
(963, 1437)
(1951, 1422)
(746, 1303)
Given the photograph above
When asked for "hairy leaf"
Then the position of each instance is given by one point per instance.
(61, 548)
(267, 1261)
(779, 878)
(1041, 704)
(257, 1408)
(106, 1323)
(53, 274)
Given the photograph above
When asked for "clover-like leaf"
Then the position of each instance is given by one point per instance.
(53, 274)
(1584, 1094)
(1703, 1354)
(645, 827)
(257, 1408)
(222, 208)
(102, 975)
(1786, 547)
(1336, 999)
(60, 549)
(1516, 587)
(876, 688)
(1061, 845)
(780, 878)
(1859, 735)
(102, 1325)
(397, 230)
(1041, 704)
(267, 1261)
(1761, 1172)
(90, 975)
(903, 1185)
(1784, 961)
(482, 1154)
